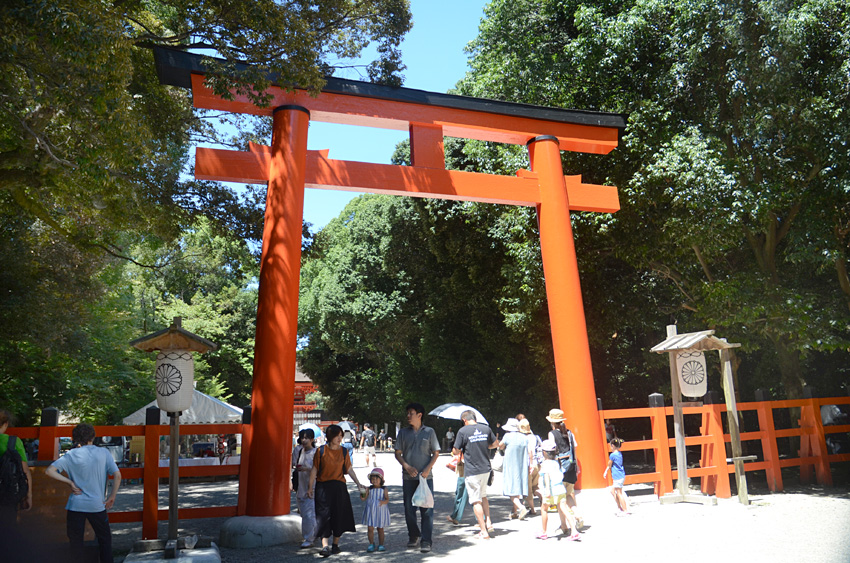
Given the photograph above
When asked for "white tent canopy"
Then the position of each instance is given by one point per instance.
(204, 410)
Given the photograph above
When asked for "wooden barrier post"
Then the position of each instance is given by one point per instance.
(247, 431)
(661, 449)
(718, 483)
(150, 475)
(769, 448)
(601, 412)
(48, 438)
(734, 431)
(813, 440)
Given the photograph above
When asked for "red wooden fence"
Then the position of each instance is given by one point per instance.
(150, 472)
(714, 470)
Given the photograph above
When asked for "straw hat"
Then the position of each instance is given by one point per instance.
(510, 425)
(556, 415)
(525, 426)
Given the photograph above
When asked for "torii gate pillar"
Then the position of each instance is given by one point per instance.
(277, 316)
(576, 390)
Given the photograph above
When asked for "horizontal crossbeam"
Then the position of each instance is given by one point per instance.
(399, 115)
(252, 167)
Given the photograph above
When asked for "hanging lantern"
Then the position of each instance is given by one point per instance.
(174, 376)
(175, 380)
(693, 376)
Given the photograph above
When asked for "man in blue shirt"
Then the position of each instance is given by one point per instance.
(87, 468)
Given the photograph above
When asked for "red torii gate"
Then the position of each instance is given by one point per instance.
(289, 167)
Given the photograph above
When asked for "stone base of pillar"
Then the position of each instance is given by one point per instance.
(245, 532)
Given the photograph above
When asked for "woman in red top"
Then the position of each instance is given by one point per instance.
(333, 505)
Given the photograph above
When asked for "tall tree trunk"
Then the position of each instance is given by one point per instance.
(789, 368)
(792, 380)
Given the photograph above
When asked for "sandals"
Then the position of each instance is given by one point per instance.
(575, 536)
(481, 536)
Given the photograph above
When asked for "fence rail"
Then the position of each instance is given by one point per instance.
(714, 471)
(149, 471)
(715, 467)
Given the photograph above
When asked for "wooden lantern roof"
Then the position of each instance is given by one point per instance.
(174, 338)
(703, 340)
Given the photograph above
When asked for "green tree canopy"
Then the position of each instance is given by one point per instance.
(733, 170)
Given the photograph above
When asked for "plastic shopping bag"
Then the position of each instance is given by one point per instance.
(422, 497)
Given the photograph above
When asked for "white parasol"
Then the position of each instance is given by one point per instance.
(454, 410)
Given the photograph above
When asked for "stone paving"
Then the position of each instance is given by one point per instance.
(805, 524)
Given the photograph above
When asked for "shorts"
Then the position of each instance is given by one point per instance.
(555, 500)
(618, 483)
(370, 450)
(571, 474)
(476, 487)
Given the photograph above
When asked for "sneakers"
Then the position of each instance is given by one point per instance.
(425, 547)
(306, 544)
(414, 542)
(326, 552)
(522, 514)
(335, 549)
(579, 522)
(542, 536)
(381, 548)
(371, 548)
(574, 536)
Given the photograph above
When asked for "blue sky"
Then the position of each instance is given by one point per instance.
(433, 53)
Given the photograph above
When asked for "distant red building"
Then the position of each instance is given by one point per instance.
(303, 387)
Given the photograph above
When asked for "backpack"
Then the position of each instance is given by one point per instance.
(370, 439)
(538, 450)
(14, 484)
(566, 454)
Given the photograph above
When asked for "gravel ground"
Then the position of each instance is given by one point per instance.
(805, 523)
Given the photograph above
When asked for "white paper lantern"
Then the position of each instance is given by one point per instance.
(175, 380)
(693, 376)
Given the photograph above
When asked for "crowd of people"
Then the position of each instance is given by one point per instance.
(535, 472)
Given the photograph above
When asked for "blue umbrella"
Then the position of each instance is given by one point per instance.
(345, 425)
(316, 430)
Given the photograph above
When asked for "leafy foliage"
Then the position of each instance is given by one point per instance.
(400, 302)
(734, 182)
(93, 152)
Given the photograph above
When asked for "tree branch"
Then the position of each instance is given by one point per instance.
(703, 263)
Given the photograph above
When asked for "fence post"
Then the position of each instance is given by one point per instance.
(601, 412)
(48, 440)
(661, 449)
(706, 449)
(813, 441)
(150, 475)
(770, 450)
(247, 431)
(717, 484)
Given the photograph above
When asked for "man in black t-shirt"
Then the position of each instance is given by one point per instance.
(367, 440)
(475, 441)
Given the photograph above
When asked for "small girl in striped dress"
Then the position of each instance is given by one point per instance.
(376, 513)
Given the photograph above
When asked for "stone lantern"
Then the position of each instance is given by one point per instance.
(175, 386)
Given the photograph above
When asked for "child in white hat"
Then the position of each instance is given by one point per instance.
(551, 486)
